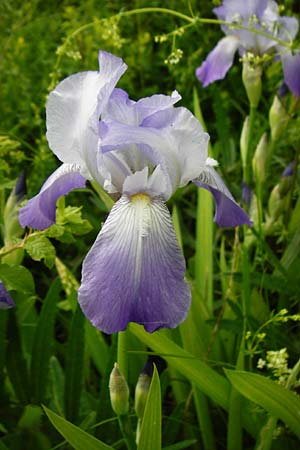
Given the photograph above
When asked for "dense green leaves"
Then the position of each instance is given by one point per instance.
(277, 400)
(43, 343)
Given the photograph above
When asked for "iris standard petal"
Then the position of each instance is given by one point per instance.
(228, 212)
(218, 61)
(73, 110)
(291, 71)
(172, 138)
(234, 8)
(6, 301)
(135, 270)
(39, 212)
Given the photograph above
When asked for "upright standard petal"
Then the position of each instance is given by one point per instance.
(135, 270)
(39, 212)
(73, 111)
(6, 301)
(218, 61)
(291, 71)
(172, 138)
(228, 212)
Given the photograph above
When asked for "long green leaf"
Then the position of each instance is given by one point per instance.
(77, 438)
(15, 360)
(74, 366)
(43, 343)
(204, 233)
(275, 399)
(150, 437)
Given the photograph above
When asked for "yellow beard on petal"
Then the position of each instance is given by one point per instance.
(141, 197)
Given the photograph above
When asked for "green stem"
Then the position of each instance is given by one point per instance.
(122, 353)
(249, 150)
(126, 430)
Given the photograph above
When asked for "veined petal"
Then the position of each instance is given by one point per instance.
(135, 270)
(6, 301)
(124, 110)
(228, 212)
(39, 212)
(291, 70)
(172, 138)
(232, 8)
(218, 61)
(73, 111)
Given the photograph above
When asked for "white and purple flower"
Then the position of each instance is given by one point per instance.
(143, 151)
(261, 15)
(6, 301)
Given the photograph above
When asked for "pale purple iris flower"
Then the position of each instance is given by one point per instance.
(6, 301)
(261, 15)
(142, 151)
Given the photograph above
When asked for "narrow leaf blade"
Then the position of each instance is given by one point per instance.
(275, 399)
(77, 438)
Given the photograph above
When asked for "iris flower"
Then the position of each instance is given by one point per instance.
(142, 151)
(261, 15)
(6, 301)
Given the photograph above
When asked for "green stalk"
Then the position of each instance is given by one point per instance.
(204, 234)
(235, 431)
(122, 357)
(204, 283)
(249, 152)
(127, 432)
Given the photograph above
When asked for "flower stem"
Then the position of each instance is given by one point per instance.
(126, 429)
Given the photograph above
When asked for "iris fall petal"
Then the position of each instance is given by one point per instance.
(135, 269)
(39, 212)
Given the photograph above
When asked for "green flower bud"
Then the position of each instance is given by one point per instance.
(260, 159)
(119, 392)
(141, 394)
(244, 141)
(276, 203)
(278, 119)
(252, 81)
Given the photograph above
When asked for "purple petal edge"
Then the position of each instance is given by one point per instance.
(39, 211)
(291, 70)
(228, 212)
(218, 61)
(6, 301)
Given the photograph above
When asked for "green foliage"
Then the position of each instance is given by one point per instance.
(79, 439)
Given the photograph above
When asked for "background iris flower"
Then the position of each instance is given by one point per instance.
(6, 301)
(261, 15)
(144, 151)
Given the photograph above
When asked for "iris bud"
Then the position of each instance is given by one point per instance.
(276, 203)
(244, 141)
(260, 159)
(278, 119)
(252, 81)
(141, 394)
(119, 392)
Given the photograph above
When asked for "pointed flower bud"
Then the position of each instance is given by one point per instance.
(276, 203)
(244, 141)
(259, 161)
(119, 392)
(278, 119)
(252, 81)
(141, 394)
(286, 181)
